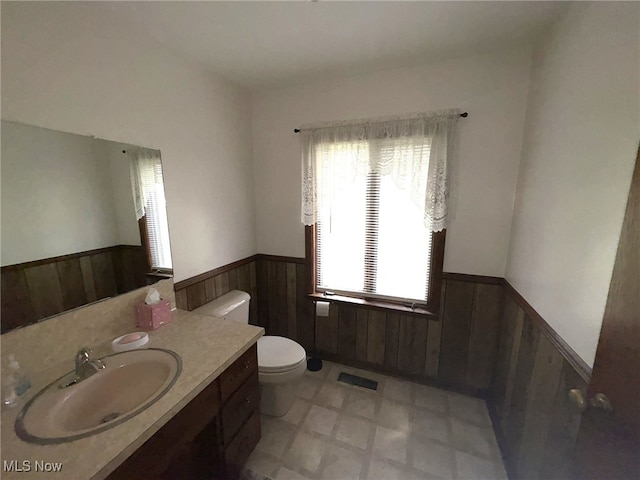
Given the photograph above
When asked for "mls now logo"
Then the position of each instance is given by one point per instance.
(29, 466)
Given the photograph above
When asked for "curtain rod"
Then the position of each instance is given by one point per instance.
(463, 115)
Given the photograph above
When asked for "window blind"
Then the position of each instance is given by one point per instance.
(371, 237)
(151, 187)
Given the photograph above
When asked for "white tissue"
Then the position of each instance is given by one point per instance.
(152, 297)
(322, 309)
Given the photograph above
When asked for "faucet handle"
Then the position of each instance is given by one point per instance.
(83, 356)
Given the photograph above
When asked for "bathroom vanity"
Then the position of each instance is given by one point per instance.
(208, 422)
(211, 437)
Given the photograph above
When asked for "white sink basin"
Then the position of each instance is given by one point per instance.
(130, 383)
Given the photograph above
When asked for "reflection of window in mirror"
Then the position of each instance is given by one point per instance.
(150, 205)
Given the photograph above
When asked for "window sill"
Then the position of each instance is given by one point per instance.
(374, 304)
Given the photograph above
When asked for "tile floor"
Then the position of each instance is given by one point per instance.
(402, 431)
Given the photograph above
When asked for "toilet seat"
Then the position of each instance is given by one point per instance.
(279, 354)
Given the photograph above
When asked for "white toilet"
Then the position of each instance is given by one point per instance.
(281, 361)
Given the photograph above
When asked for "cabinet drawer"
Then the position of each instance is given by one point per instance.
(240, 407)
(238, 451)
(236, 374)
(168, 448)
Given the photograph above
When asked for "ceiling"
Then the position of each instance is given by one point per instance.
(266, 44)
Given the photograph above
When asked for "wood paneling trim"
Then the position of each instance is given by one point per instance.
(70, 256)
(212, 273)
(373, 305)
(436, 274)
(310, 255)
(563, 347)
(59, 258)
(465, 277)
(279, 258)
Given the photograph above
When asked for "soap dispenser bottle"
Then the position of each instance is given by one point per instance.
(20, 380)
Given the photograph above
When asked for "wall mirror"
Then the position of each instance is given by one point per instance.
(83, 219)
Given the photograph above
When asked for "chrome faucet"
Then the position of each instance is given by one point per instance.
(85, 367)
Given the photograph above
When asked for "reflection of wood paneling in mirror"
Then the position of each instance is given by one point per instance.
(35, 290)
(70, 235)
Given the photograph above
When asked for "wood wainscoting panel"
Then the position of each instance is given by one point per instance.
(222, 284)
(262, 275)
(510, 331)
(32, 291)
(73, 294)
(376, 337)
(241, 275)
(347, 330)
(534, 422)
(104, 276)
(277, 288)
(131, 267)
(87, 276)
(487, 341)
(456, 321)
(182, 302)
(305, 329)
(521, 381)
(413, 344)
(17, 309)
(253, 279)
(45, 290)
(209, 289)
(233, 279)
(291, 297)
(327, 337)
(391, 339)
(486, 318)
(563, 429)
(362, 334)
(197, 296)
(542, 389)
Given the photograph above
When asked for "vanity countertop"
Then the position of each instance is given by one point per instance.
(207, 347)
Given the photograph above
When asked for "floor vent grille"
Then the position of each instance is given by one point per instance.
(358, 381)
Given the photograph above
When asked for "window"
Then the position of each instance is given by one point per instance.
(370, 237)
(151, 210)
(157, 224)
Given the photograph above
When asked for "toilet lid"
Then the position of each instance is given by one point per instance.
(277, 354)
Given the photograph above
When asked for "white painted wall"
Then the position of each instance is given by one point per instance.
(56, 195)
(581, 138)
(68, 68)
(492, 88)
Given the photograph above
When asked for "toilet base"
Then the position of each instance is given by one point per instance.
(276, 401)
(278, 391)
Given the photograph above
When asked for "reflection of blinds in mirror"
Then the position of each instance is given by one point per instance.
(155, 209)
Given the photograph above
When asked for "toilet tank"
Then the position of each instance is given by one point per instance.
(232, 306)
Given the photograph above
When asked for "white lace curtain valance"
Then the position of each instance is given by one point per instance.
(146, 172)
(415, 150)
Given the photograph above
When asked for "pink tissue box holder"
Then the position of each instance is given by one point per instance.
(151, 317)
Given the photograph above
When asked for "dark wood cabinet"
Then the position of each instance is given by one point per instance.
(211, 437)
